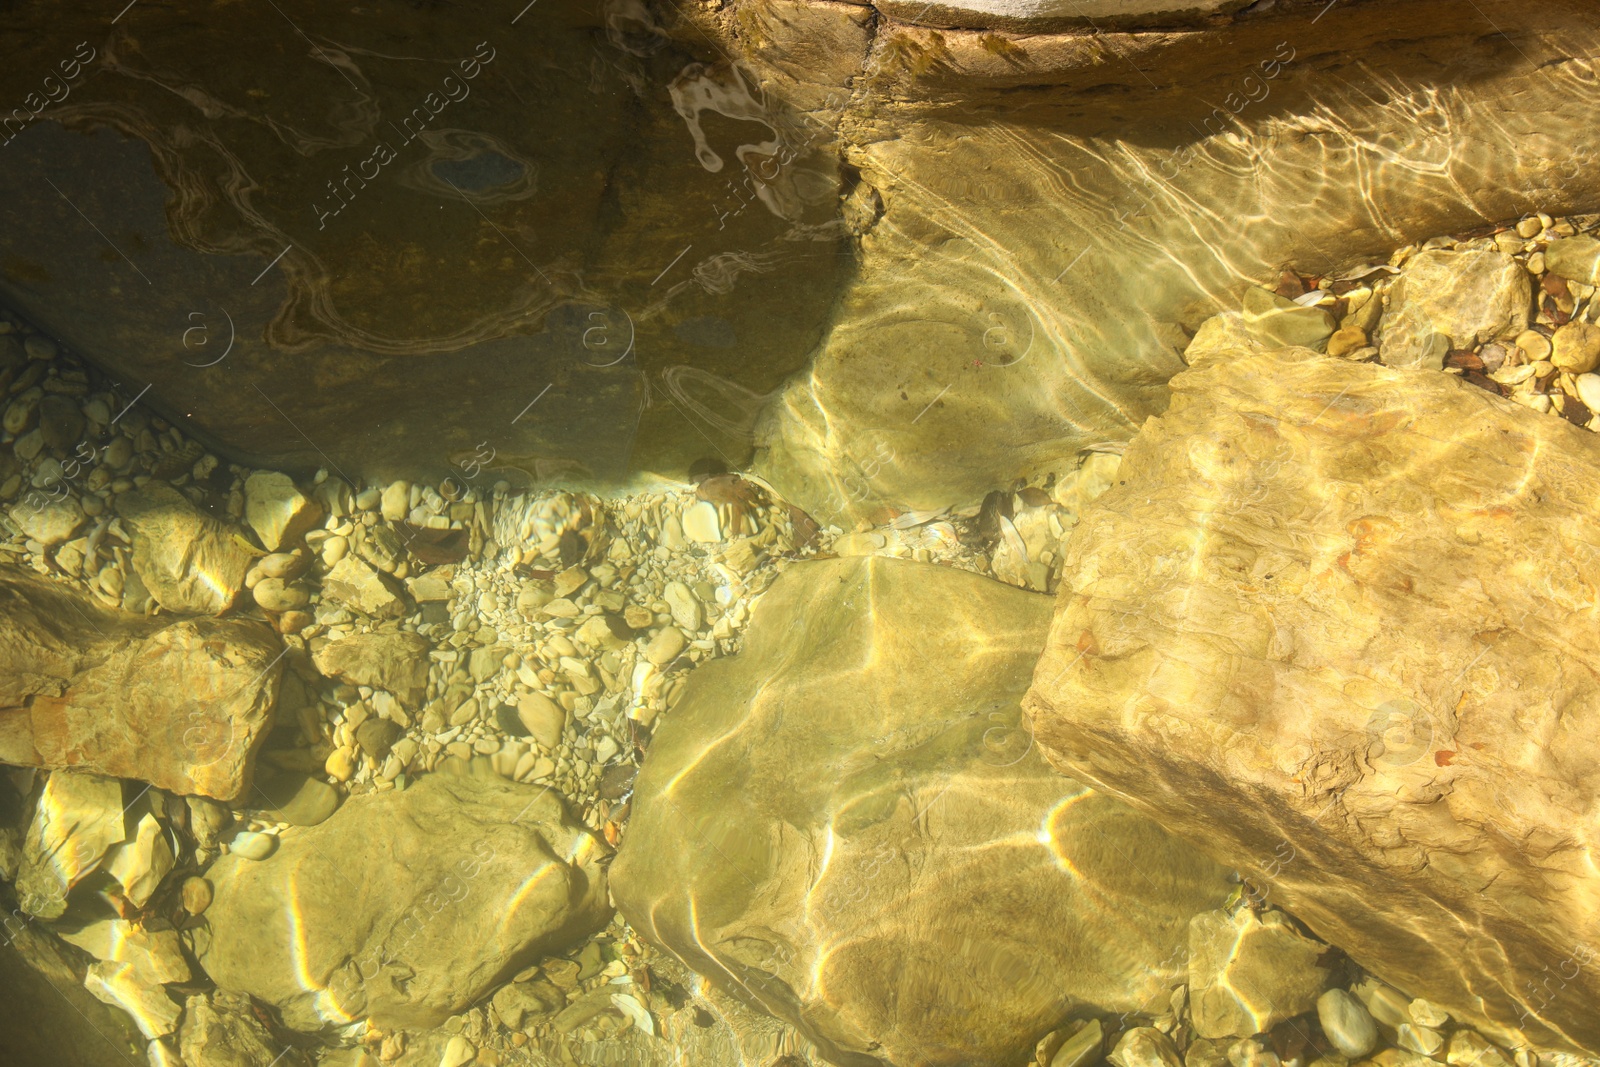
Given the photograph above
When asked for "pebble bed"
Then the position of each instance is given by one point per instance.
(1549, 367)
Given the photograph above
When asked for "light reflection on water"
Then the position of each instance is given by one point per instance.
(936, 282)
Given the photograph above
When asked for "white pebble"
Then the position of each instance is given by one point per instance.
(1589, 391)
(700, 523)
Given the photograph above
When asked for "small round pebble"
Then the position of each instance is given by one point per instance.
(340, 765)
(196, 895)
(252, 846)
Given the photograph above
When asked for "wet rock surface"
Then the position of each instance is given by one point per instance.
(190, 562)
(392, 661)
(183, 704)
(1330, 625)
(221, 1030)
(1448, 299)
(1031, 223)
(848, 824)
(79, 818)
(326, 932)
(1249, 972)
(303, 326)
(1035, 337)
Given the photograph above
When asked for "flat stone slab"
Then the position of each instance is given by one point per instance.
(1339, 624)
(406, 906)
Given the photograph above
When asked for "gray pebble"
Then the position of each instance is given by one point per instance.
(252, 846)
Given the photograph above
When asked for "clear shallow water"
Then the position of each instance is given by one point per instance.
(528, 536)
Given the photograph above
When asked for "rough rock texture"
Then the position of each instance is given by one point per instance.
(1039, 15)
(189, 561)
(361, 588)
(1336, 623)
(182, 705)
(1145, 1046)
(392, 660)
(1445, 299)
(49, 522)
(220, 1030)
(495, 877)
(1085, 193)
(140, 862)
(1008, 155)
(152, 956)
(847, 824)
(119, 985)
(1577, 258)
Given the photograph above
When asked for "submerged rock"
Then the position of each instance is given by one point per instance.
(1276, 321)
(188, 561)
(47, 1017)
(78, 819)
(182, 705)
(119, 985)
(1577, 258)
(298, 799)
(221, 1030)
(362, 589)
(1473, 296)
(252, 845)
(278, 512)
(1468, 1049)
(406, 906)
(153, 957)
(49, 522)
(1346, 1022)
(61, 422)
(848, 824)
(142, 861)
(1145, 1046)
(1085, 240)
(1448, 299)
(1336, 624)
(1248, 973)
(395, 661)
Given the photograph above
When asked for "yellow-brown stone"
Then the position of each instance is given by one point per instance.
(1338, 624)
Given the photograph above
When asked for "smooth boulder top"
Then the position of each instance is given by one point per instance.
(406, 906)
(848, 824)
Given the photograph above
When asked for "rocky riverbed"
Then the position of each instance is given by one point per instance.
(382, 743)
